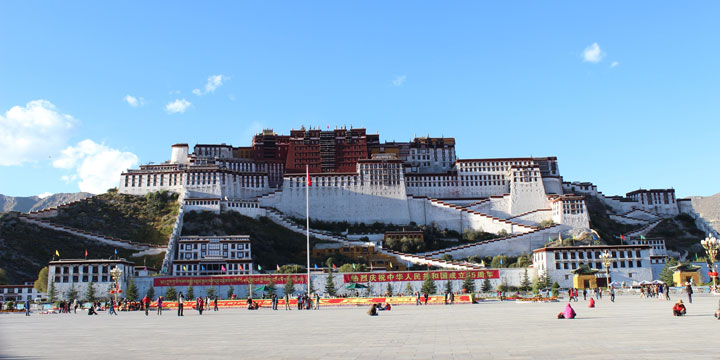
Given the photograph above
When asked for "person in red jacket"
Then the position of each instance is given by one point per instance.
(146, 304)
(679, 309)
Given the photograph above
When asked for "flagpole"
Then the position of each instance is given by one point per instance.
(307, 222)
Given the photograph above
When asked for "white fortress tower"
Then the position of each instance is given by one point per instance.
(179, 154)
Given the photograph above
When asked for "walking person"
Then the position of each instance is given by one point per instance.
(111, 308)
(689, 290)
(426, 298)
(287, 301)
(215, 307)
(452, 298)
(199, 305)
(180, 301)
(145, 302)
(584, 294)
(75, 305)
(274, 301)
(417, 299)
(317, 301)
(27, 307)
(612, 294)
(159, 305)
(299, 301)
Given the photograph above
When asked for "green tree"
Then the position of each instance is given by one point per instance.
(90, 292)
(132, 291)
(525, 284)
(666, 275)
(52, 292)
(555, 289)
(486, 285)
(346, 268)
(289, 286)
(272, 284)
(230, 292)
(409, 288)
(447, 257)
(150, 293)
(211, 292)
(448, 286)
(502, 233)
(389, 289)
(428, 285)
(291, 269)
(330, 283)
(171, 294)
(41, 283)
(523, 261)
(190, 293)
(468, 284)
(502, 287)
(72, 293)
(3, 277)
(499, 261)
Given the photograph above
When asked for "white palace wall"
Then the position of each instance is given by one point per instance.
(351, 203)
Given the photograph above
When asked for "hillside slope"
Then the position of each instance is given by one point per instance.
(271, 243)
(33, 203)
(26, 248)
(709, 208)
(144, 219)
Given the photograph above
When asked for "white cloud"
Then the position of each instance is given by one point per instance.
(33, 132)
(44, 195)
(177, 106)
(214, 82)
(134, 101)
(614, 64)
(399, 80)
(593, 53)
(96, 166)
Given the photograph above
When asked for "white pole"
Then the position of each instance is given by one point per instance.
(307, 222)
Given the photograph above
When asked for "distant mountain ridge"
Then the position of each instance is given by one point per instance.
(709, 208)
(34, 203)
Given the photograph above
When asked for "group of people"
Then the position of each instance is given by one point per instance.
(374, 308)
(422, 299)
(659, 291)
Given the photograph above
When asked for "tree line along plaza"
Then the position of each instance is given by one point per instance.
(355, 178)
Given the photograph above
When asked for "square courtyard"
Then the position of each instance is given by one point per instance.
(632, 327)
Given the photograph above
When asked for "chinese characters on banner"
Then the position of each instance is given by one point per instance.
(420, 276)
(227, 280)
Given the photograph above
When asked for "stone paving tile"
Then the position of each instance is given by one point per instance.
(630, 328)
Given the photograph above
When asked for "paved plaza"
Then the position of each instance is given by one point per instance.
(629, 328)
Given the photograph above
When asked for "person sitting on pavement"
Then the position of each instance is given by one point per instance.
(679, 309)
(373, 310)
(568, 313)
(592, 303)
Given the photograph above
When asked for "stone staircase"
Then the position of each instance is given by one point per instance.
(109, 240)
(280, 218)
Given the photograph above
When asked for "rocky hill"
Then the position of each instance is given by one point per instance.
(26, 248)
(709, 208)
(33, 203)
(145, 219)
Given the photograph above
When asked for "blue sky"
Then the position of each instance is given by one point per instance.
(625, 94)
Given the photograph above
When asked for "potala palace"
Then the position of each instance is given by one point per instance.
(356, 178)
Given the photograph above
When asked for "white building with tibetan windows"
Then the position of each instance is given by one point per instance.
(77, 274)
(630, 263)
(213, 255)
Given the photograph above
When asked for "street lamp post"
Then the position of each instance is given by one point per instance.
(711, 244)
(116, 273)
(607, 259)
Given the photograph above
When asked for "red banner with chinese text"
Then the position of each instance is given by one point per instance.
(420, 276)
(228, 280)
